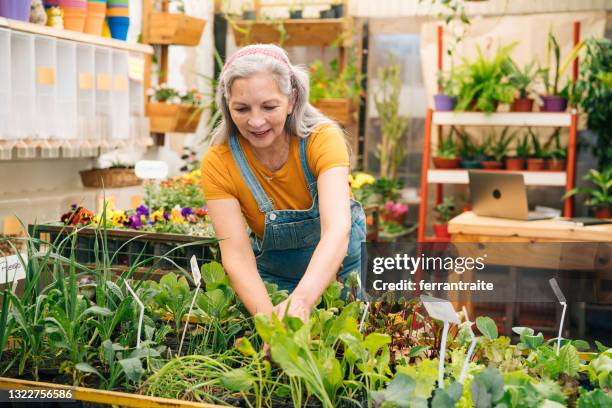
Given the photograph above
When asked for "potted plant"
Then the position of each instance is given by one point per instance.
(395, 212)
(327, 13)
(445, 211)
(296, 8)
(470, 153)
(522, 80)
(600, 196)
(594, 93)
(556, 154)
(517, 162)
(248, 11)
(553, 101)
(171, 110)
(445, 101)
(483, 83)
(335, 91)
(447, 156)
(338, 8)
(537, 160)
(497, 148)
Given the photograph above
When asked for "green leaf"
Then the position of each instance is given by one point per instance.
(487, 388)
(523, 330)
(568, 360)
(375, 341)
(237, 380)
(487, 327)
(112, 286)
(532, 342)
(213, 302)
(212, 273)
(447, 397)
(86, 368)
(416, 350)
(398, 392)
(132, 367)
(581, 344)
(245, 347)
(601, 347)
(594, 399)
(425, 375)
(98, 311)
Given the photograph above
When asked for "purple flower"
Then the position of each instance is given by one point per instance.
(135, 222)
(142, 210)
(166, 215)
(186, 211)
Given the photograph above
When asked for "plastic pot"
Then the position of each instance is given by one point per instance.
(441, 231)
(522, 105)
(555, 164)
(444, 103)
(515, 163)
(602, 212)
(338, 10)
(443, 163)
(15, 9)
(535, 164)
(119, 27)
(295, 14)
(327, 14)
(248, 15)
(554, 103)
(492, 165)
(471, 163)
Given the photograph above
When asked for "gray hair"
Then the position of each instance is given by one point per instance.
(292, 80)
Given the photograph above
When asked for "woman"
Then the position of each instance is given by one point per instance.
(283, 166)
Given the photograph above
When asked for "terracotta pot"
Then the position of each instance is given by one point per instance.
(492, 165)
(522, 105)
(442, 163)
(441, 230)
(535, 164)
(602, 212)
(555, 164)
(515, 163)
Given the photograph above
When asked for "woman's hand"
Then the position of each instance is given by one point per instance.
(296, 306)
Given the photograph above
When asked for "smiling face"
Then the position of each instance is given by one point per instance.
(259, 109)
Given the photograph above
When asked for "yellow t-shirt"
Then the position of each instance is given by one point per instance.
(288, 189)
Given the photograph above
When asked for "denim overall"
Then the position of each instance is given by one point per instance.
(291, 236)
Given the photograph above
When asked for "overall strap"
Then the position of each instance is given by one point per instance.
(310, 178)
(263, 201)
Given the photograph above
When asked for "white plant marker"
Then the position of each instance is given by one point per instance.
(197, 277)
(363, 316)
(555, 287)
(441, 309)
(472, 346)
(151, 170)
(142, 309)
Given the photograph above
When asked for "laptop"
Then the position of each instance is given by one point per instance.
(501, 195)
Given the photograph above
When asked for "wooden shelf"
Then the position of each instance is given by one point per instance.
(302, 32)
(73, 36)
(174, 29)
(503, 119)
(532, 178)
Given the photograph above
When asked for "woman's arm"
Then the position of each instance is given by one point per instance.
(237, 255)
(334, 206)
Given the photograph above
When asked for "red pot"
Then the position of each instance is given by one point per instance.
(535, 164)
(441, 230)
(492, 165)
(522, 105)
(442, 163)
(515, 163)
(601, 212)
(555, 164)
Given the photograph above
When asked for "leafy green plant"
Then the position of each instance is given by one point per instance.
(334, 82)
(447, 147)
(558, 70)
(522, 79)
(539, 151)
(497, 147)
(483, 83)
(523, 147)
(390, 150)
(601, 194)
(553, 146)
(446, 210)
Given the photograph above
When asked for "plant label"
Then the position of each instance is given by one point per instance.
(151, 169)
(555, 287)
(440, 309)
(195, 270)
(11, 268)
(141, 316)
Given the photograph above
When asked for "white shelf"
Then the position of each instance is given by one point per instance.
(74, 36)
(503, 119)
(532, 178)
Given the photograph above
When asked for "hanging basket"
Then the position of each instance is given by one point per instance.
(109, 178)
(339, 109)
(174, 29)
(166, 117)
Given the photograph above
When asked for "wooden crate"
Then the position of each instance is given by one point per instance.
(174, 29)
(166, 117)
(304, 32)
(340, 110)
(107, 178)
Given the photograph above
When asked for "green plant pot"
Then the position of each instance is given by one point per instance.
(471, 163)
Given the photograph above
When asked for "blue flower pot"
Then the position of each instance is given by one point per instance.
(119, 27)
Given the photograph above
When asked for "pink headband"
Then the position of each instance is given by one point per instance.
(254, 51)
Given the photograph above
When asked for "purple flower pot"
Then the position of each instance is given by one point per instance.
(15, 9)
(554, 103)
(444, 103)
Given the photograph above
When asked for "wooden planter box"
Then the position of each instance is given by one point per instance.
(340, 110)
(166, 117)
(92, 395)
(174, 29)
(303, 32)
(108, 178)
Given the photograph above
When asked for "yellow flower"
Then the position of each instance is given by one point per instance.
(176, 216)
(361, 179)
(157, 216)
